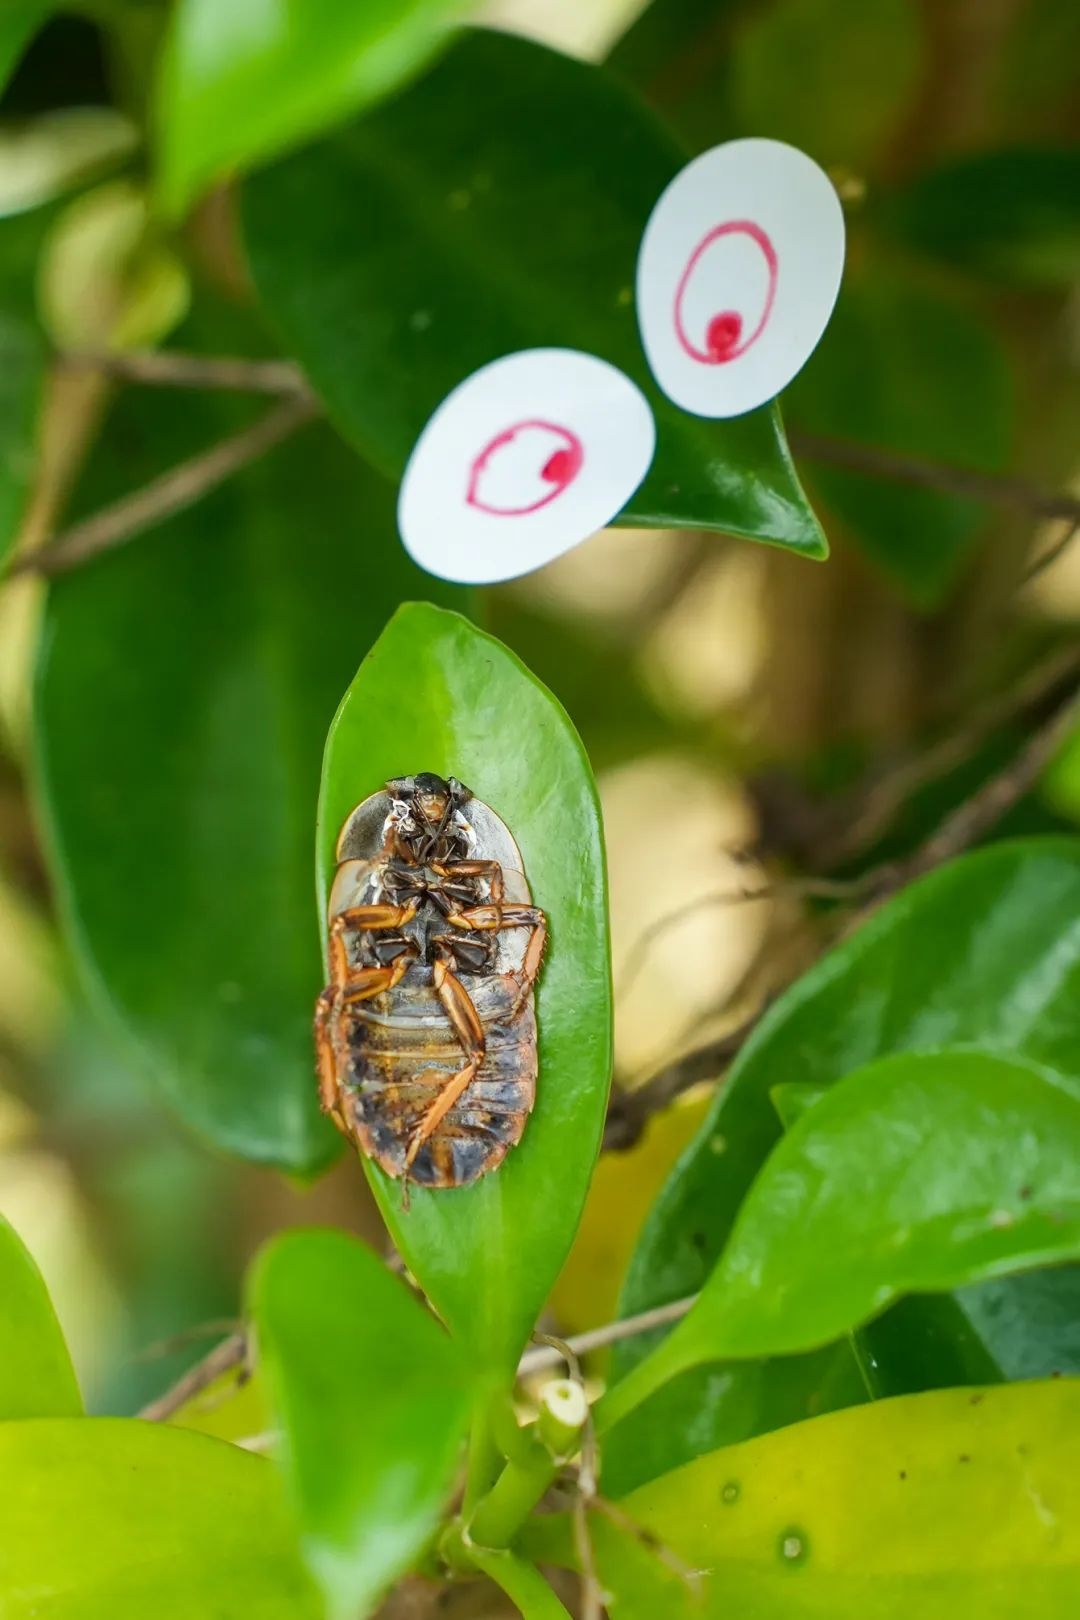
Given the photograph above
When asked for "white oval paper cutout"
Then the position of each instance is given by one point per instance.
(738, 272)
(521, 462)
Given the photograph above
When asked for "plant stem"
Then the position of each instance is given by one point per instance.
(515, 1493)
(521, 1581)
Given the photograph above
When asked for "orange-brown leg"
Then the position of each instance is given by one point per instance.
(492, 870)
(329, 1091)
(513, 916)
(362, 919)
(361, 985)
(470, 1032)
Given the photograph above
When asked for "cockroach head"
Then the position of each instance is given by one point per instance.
(430, 798)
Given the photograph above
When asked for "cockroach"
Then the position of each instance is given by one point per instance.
(426, 1033)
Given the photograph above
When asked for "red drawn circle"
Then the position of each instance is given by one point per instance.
(559, 470)
(724, 340)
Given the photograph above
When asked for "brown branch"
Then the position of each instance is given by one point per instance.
(224, 1357)
(630, 1110)
(173, 492)
(164, 368)
(995, 489)
(1046, 559)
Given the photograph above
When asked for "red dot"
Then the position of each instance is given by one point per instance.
(723, 334)
(562, 466)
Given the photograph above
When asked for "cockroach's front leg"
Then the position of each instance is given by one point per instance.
(512, 916)
(491, 870)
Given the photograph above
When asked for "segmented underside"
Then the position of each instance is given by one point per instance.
(398, 1050)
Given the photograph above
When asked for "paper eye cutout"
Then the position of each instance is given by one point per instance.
(522, 461)
(738, 272)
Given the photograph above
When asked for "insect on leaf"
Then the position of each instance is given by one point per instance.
(436, 694)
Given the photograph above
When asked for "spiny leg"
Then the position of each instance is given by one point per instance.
(362, 919)
(513, 916)
(329, 1090)
(470, 1032)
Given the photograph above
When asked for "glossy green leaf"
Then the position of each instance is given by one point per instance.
(983, 952)
(459, 223)
(908, 371)
(834, 77)
(112, 1517)
(372, 1400)
(241, 81)
(722, 1404)
(19, 22)
(184, 687)
(435, 694)
(1011, 215)
(963, 1500)
(36, 1375)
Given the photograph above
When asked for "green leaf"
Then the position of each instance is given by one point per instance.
(1011, 215)
(184, 687)
(984, 951)
(708, 1407)
(242, 81)
(905, 370)
(109, 1516)
(963, 1500)
(372, 1399)
(19, 23)
(919, 1173)
(36, 1375)
(833, 77)
(459, 223)
(435, 694)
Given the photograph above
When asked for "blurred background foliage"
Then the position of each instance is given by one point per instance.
(742, 706)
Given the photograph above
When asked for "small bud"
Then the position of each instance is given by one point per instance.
(564, 1411)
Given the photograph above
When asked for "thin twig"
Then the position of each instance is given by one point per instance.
(1046, 559)
(540, 1360)
(982, 811)
(175, 490)
(180, 1341)
(631, 1109)
(172, 368)
(969, 822)
(995, 489)
(890, 793)
(165, 368)
(810, 888)
(224, 1357)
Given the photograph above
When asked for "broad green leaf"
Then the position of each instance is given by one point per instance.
(1011, 215)
(985, 951)
(723, 1404)
(834, 77)
(19, 22)
(959, 1501)
(909, 371)
(184, 687)
(241, 81)
(22, 368)
(372, 1400)
(435, 694)
(918, 1173)
(459, 223)
(112, 1517)
(36, 1375)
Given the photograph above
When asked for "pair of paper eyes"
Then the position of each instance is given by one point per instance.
(738, 272)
